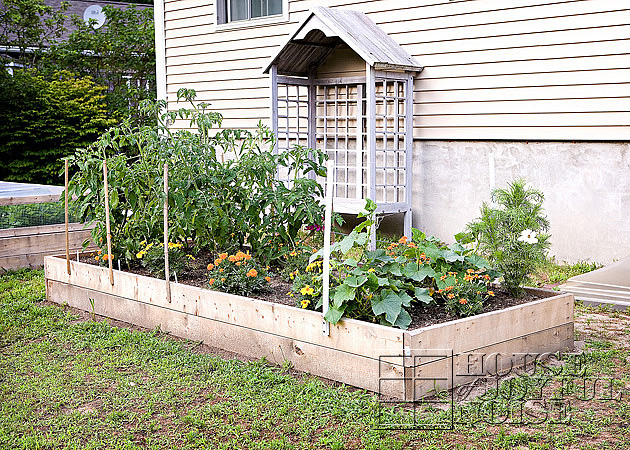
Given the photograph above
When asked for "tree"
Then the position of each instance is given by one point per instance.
(119, 55)
(28, 26)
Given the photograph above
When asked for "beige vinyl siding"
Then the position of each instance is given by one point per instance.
(494, 69)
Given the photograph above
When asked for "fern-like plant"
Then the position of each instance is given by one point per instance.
(512, 233)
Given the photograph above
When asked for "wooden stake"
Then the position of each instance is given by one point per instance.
(167, 274)
(107, 225)
(67, 218)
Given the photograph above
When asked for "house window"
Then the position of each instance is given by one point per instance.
(235, 10)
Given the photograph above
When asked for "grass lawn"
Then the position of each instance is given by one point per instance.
(67, 381)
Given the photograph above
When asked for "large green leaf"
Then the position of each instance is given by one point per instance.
(403, 320)
(335, 313)
(422, 295)
(388, 303)
(343, 293)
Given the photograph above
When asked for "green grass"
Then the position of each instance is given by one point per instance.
(553, 272)
(67, 383)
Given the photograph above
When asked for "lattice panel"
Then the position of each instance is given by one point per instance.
(341, 132)
(292, 120)
(390, 140)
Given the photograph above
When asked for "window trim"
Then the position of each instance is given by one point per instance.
(221, 7)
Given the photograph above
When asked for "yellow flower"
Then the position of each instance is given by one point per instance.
(305, 303)
(370, 270)
(191, 257)
(267, 279)
(307, 290)
(140, 254)
(221, 269)
(143, 243)
(491, 294)
(253, 273)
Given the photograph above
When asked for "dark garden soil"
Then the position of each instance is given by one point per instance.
(421, 315)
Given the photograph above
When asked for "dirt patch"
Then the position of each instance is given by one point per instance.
(421, 315)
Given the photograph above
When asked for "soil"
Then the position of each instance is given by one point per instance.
(421, 315)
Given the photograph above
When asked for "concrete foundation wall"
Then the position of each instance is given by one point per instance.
(586, 187)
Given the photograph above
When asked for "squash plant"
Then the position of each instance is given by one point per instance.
(381, 285)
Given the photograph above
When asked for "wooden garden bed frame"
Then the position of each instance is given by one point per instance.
(362, 354)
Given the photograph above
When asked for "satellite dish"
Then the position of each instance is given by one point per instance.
(95, 13)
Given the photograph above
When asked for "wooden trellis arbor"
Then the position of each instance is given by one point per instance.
(342, 85)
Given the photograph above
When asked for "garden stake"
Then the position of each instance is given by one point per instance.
(67, 219)
(167, 274)
(107, 225)
(327, 229)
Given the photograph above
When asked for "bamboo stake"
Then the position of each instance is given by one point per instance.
(167, 274)
(107, 225)
(67, 218)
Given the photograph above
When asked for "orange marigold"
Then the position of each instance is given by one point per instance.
(253, 273)
(210, 266)
(403, 240)
(232, 258)
(268, 279)
(212, 280)
(463, 301)
(223, 255)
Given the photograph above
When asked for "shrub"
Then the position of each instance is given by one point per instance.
(513, 234)
(43, 121)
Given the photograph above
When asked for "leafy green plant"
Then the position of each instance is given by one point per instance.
(381, 285)
(513, 234)
(46, 120)
(152, 258)
(238, 274)
(262, 211)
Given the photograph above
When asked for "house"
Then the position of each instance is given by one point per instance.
(425, 105)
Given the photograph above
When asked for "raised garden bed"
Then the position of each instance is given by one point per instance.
(370, 356)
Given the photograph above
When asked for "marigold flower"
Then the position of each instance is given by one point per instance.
(223, 255)
(491, 294)
(443, 277)
(238, 263)
(212, 280)
(247, 256)
(486, 277)
(412, 245)
(99, 252)
(96, 257)
(106, 257)
(210, 266)
(450, 295)
(463, 301)
(403, 240)
(232, 258)
(221, 269)
(222, 279)
(253, 273)
(267, 279)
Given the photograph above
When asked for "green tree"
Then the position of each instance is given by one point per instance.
(119, 55)
(28, 26)
(43, 121)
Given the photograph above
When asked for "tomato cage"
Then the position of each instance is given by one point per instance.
(342, 85)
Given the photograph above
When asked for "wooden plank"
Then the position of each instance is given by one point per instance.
(203, 13)
(227, 50)
(7, 201)
(269, 317)
(319, 360)
(34, 257)
(41, 243)
(42, 229)
(474, 333)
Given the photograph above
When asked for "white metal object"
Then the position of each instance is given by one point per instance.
(107, 224)
(327, 231)
(166, 268)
